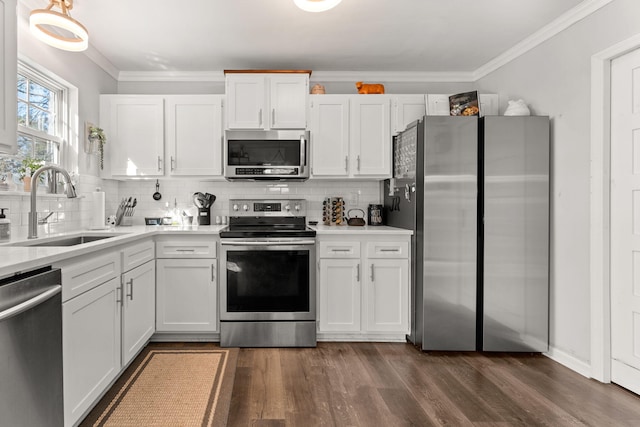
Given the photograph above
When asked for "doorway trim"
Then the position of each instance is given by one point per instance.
(600, 236)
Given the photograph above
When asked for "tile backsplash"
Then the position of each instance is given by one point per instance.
(74, 214)
(357, 194)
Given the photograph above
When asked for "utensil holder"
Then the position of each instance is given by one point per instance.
(127, 221)
(204, 216)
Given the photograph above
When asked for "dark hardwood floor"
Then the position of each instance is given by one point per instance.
(390, 384)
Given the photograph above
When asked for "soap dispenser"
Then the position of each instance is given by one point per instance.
(5, 226)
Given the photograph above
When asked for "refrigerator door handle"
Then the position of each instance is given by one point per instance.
(407, 192)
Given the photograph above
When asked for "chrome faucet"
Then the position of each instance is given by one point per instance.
(33, 213)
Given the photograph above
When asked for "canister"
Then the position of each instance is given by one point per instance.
(375, 214)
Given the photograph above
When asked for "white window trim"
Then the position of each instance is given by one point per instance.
(68, 114)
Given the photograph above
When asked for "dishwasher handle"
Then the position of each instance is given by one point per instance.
(30, 303)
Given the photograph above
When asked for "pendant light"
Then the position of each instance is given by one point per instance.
(316, 5)
(53, 27)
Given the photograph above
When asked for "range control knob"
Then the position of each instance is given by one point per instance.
(245, 207)
(287, 208)
(235, 208)
(297, 207)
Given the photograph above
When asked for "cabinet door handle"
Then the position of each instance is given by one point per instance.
(346, 163)
(130, 295)
(159, 164)
(389, 250)
(185, 250)
(119, 295)
(358, 273)
(260, 117)
(213, 273)
(173, 166)
(358, 162)
(372, 277)
(273, 117)
(340, 250)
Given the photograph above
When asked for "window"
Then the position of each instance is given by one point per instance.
(40, 118)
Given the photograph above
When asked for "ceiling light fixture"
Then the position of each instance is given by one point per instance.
(59, 29)
(316, 5)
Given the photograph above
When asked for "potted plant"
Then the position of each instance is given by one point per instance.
(26, 170)
(97, 136)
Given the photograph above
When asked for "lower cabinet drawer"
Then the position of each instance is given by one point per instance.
(84, 273)
(186, 248)
(387, 249)
(343, 249)
(138, 254)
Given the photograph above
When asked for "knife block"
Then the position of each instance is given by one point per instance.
(204, 216)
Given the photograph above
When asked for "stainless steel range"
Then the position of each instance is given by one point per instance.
(268, 281)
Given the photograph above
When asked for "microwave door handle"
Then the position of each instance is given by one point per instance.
(303, 153)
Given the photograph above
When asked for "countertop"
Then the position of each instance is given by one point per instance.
(365, 229)
(15, 259)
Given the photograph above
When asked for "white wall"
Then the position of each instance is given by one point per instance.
(554, 79)
(90, 81)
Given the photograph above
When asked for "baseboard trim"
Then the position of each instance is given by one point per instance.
(569, 361)
(185, 337)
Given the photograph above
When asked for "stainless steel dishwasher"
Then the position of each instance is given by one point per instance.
(31, 349)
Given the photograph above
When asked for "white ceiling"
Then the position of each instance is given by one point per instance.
(357, 35)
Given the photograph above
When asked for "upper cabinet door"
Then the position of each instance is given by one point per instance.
(288, 95)
(370, 136)
(8, 76)
(134, 126)
(329, 127)
(194, 134)
(246, 101)
(406, 109)
(267, 101)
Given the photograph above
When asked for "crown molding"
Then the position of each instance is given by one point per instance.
(171, 76)
(392, 76)
(556, 26)
(101, 61)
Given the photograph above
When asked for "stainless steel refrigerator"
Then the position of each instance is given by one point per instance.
(472, 279)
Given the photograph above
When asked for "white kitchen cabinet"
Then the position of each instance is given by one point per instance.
(406, 109)
(187, 289)
(370, 136)
(8, 76)
(134, 126)
(91, 328)
(266, 100)
(339, 296)
(329, 123)
(350, 136)
(91, 347)
(137, 126)
(194, 134)
(187, 295)
(363, 291)
(387, 295)
(138, 309)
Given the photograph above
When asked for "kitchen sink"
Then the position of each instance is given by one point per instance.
(66, 240)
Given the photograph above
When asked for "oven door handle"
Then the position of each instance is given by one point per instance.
(267, 243)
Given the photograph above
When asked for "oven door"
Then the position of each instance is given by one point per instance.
(268, 279)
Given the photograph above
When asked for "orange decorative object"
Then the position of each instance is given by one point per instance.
(369, 88)
(317, 90)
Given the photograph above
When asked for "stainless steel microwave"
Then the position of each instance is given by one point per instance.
(266, 155)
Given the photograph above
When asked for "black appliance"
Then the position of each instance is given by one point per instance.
(268, 281)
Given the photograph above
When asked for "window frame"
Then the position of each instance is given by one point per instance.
(61, 117)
